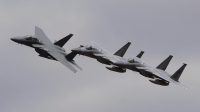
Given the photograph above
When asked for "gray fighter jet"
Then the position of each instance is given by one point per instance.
(157, 75)
(103, 56)
(54, 51)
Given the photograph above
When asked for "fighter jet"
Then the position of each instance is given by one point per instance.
(157, 75)
(46, 49)
(103, 56)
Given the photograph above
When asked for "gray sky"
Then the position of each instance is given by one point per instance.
(29, 83)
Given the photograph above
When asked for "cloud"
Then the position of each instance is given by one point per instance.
(30, 83)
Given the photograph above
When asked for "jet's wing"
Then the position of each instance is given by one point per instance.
(162, 74)
(98, 47)
(61, 59)
(49, 47)
(41, 36)
(75, 64)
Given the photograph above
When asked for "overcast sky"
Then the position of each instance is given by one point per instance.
(161, 28)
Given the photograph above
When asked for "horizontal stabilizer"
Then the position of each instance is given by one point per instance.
(165, 63)
(62, 41)
(178, 73)
(140, 54)
(123, 50)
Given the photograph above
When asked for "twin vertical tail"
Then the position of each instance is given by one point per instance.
(123, 50)
(178, 73)
(165, 63)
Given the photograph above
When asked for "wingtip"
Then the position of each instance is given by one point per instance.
(36, 27)
(75, 71)
(185, 87)
(80, 68)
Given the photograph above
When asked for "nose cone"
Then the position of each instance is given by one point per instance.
(16, 39)
(76, 50)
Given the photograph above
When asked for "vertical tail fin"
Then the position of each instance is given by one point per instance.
(140, 54)
(165, 63)
(123, 50)
(62, 41)
(178, 73)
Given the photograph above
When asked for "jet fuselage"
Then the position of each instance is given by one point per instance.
(30, 41)
(131, 64)
(89, 52)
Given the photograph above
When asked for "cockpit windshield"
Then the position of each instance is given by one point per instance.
(31, 38)
(88, 47)
(135, 60)
(131, 60)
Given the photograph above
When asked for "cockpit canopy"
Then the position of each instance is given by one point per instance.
(88, 47)
(131, 60)
(63, 49)
(31, 38)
